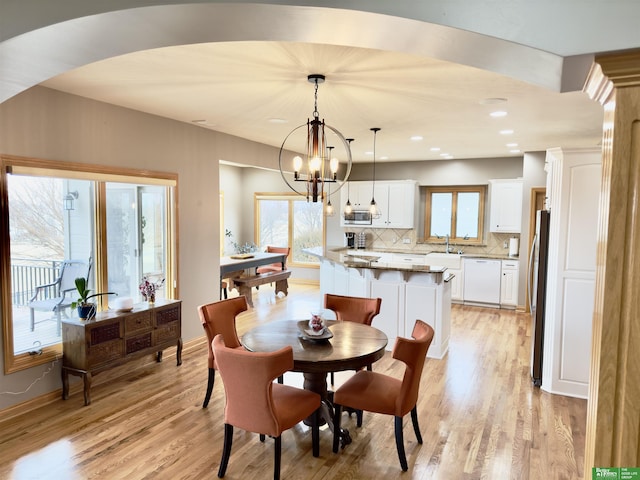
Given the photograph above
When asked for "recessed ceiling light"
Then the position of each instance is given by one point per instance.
(444, 155)
(384, 157)
(368, 153)
(493, 100)
(498, 113)
(511, 145)
(435, 149)
(198, 121)
(416, 138)
(278, 120)
(515, 150)
(506, 132)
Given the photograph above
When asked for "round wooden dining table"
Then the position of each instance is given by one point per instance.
(352, 347)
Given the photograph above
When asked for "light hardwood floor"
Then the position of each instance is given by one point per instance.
(480, 417)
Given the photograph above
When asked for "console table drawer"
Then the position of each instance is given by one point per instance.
(105, 333)
(138, 343)
(167, 315)
(104, 352)
(138, 322)
(170, 331)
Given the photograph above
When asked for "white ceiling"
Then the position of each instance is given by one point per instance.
(238, 87)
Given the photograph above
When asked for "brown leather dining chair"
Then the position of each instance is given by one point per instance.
(256, 404)
(378, 393)
(220, 317)
(274, 267)
(352, 309)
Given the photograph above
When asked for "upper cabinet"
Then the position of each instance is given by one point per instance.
(505, 215)
(395, 199)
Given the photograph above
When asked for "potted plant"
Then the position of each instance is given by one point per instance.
(86, 309)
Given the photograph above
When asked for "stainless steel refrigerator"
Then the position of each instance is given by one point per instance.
(537, 292)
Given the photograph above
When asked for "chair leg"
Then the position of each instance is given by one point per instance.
(358, 418)
(281, 379)
(336, 426)
(315, 433)
(400, 444)
(262, 437)
(416, 427)
(276, 458)
(207, 397)
(32, 319)
(226, 449)
(333, 380)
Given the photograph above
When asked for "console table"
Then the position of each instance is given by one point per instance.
(113, 338)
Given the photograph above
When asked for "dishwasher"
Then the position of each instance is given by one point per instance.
(482, 281)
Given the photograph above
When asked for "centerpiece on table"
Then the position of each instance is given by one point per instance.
(148, 289)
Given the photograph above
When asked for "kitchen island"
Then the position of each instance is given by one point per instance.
(409, 288)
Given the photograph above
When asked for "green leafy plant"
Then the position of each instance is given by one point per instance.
(85, 293)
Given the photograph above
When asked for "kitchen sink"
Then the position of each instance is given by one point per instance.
(449, 260)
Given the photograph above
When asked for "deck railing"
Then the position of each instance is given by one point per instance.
(27, 274)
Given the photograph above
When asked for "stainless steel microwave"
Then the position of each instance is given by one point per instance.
(358, 217)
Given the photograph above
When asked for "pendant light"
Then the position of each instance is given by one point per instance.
(315, 169)
(373, 208)
(348, 208)
(328, 209)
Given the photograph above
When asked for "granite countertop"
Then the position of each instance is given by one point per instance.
(372, 262)
(344, 250)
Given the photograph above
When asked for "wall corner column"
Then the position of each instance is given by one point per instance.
(613, 412)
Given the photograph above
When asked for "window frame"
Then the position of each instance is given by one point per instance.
(289, 197)
(99, 174)
(454, 190)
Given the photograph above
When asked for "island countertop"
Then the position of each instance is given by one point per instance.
(373, 261)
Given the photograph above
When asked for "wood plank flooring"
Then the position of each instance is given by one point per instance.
(480, 417)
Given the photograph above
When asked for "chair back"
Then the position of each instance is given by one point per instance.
(275, 267)
(72, 269)
(412, 352)
(248, 384)
(353, 309)
(220, 318)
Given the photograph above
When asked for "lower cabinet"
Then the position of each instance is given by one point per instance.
(114, 338)
(509, 283)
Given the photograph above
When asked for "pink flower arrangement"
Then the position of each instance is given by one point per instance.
(148, 288)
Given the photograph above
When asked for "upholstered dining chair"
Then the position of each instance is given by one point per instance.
(256, 404)
(274, 267)
(378, 393)
(220, 317)
(352, 309)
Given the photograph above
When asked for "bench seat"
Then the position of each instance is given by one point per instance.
(246, 282)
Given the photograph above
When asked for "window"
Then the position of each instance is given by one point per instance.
(61, 222)
(289, 220)
(457, 212)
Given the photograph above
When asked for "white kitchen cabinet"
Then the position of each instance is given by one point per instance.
(396, 201)
(457, 283)
(358, 193)
(505, 214)
(509, 283)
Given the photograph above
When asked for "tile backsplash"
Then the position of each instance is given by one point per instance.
(396, 240)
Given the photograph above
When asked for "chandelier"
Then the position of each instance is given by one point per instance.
(319, 167)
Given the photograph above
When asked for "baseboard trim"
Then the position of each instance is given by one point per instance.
(76, 386)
